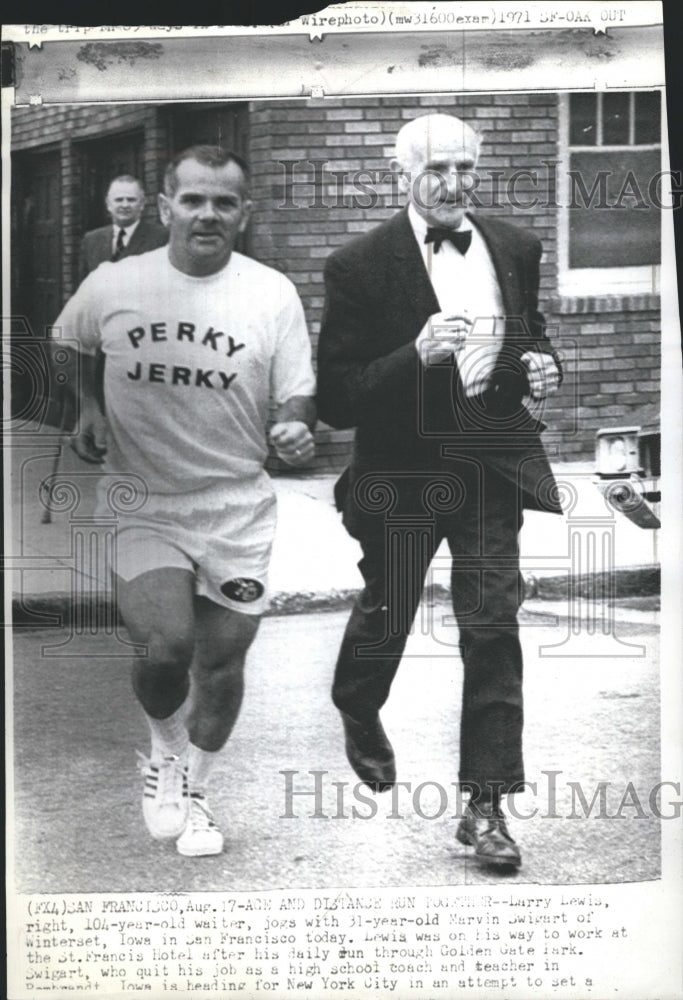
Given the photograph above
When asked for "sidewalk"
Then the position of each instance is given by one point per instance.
(55, 565)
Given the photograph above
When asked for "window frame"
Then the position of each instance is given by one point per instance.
(582, 281)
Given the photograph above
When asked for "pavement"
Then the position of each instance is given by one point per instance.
(60, 565)
(78, 826)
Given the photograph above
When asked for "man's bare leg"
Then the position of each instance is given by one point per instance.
(177, 630)
(222, 640)
(157, 608)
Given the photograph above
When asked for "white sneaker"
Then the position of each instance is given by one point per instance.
(201, 836)
(165, 800)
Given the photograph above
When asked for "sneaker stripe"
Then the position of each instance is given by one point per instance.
(164, 796)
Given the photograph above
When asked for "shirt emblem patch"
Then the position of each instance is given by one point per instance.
(242, 589)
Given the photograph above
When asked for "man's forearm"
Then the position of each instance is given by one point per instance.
(81, 383)
(89, 438)
(298, 408)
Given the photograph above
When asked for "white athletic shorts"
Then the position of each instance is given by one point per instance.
(223, 536)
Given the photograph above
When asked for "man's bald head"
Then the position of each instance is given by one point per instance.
(419, 136)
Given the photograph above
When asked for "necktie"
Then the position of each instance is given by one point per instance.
(460, 239)
(120, 245)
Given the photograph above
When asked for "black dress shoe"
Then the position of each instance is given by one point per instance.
(370, 753)
(483, 827)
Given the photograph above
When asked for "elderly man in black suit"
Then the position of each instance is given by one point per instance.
(431, 343)
(128, 233)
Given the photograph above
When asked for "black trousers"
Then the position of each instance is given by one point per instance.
(486, 590)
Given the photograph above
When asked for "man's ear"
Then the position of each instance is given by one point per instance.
(247, 208)
(401, 175)
(164, 210)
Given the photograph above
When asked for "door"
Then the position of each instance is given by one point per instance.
(99, 162)
(36, 275)
(224, 125)
(37, 235)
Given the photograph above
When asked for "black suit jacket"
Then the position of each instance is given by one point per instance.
(96, 246)
(415, 417)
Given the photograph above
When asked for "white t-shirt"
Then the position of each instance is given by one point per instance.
(191, 365)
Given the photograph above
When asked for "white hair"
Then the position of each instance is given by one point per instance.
(414, 137)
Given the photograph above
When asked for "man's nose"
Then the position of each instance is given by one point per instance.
(208, 210)
(453, 182)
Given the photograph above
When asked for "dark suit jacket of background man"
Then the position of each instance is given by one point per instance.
(379, 297)
(97, 244)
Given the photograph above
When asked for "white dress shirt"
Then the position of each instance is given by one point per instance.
(465, 285)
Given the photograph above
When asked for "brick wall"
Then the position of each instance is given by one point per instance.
(39, 126)
(614, 344)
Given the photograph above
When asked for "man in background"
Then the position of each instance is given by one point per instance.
(128, 233)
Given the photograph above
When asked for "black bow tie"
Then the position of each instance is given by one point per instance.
(460, 239)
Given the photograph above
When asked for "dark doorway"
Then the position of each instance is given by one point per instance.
(37, 238)
(224, 125)
(99, 162)
(36, 277)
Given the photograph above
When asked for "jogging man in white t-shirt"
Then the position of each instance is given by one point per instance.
(198, 339)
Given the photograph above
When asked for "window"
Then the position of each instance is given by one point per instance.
(610, 221)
